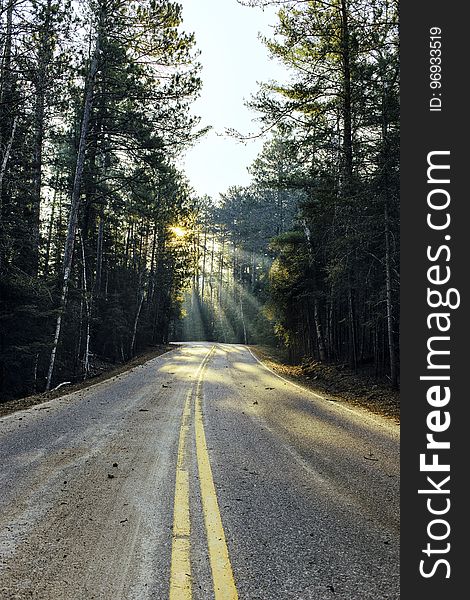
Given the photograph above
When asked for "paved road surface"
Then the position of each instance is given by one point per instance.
(199, 475)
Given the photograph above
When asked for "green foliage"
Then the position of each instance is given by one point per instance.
(333, 284)
(128, 269)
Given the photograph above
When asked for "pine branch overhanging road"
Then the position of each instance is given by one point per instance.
(199, 474)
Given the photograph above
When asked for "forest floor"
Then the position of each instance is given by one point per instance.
(338, 382)
(101, 371)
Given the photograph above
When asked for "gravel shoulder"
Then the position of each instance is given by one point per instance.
(11, 406)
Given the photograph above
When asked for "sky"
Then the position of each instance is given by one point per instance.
(233, 60)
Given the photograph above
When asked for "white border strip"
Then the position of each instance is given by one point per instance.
(358, 412)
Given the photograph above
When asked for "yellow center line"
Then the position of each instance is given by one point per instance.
(180, 575)
(222, 574)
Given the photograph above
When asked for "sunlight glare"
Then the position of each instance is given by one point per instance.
(178, 231)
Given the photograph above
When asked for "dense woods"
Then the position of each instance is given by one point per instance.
(94, 110)
(105, 248)
(311, 248)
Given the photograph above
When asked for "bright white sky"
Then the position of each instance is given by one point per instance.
(233, 60)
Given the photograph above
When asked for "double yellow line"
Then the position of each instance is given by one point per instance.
(180, 577)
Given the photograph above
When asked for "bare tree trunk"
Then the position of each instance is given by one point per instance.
(352, 328)
(50, 227)
(388, 270)
(45, 50)
(5, 89)
(136, 322)
(242, 315)
(347, 99)
(316, 315)
(196, 265)
(88, 305)
(74, 207)
(204, 263)
(221, 270)
(5, 85)
(99, 256)
(6, 156)
(253, 271)
(79, 341)
(35, 372)
(211, 275)
(219, 289)
(330, 335)
(6, 58)
(152, 265)
(319, 331)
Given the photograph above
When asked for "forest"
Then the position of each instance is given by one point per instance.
(105, 248)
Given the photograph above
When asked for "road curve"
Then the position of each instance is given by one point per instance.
(198, 475)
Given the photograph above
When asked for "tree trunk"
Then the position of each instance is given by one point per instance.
(88, 308)
(75, 205)
(152, 265)
(5, 90)
(347, 101)
(50, 227)
(352, 328)
(6, 156)
(203, 283)
(211, 275)
(253, 271)
(5, 87)
(242, 315)
(319, 331)
(99, 255)
(45, 48)
(136, 322)
(221, 271)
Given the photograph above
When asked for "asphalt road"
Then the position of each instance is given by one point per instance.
(199, 475)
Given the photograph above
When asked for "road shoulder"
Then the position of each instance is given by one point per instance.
(335, 384)
(12, 406)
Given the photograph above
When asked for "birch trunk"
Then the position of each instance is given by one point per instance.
(6, 156)
(136, 322)
(74, 206)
